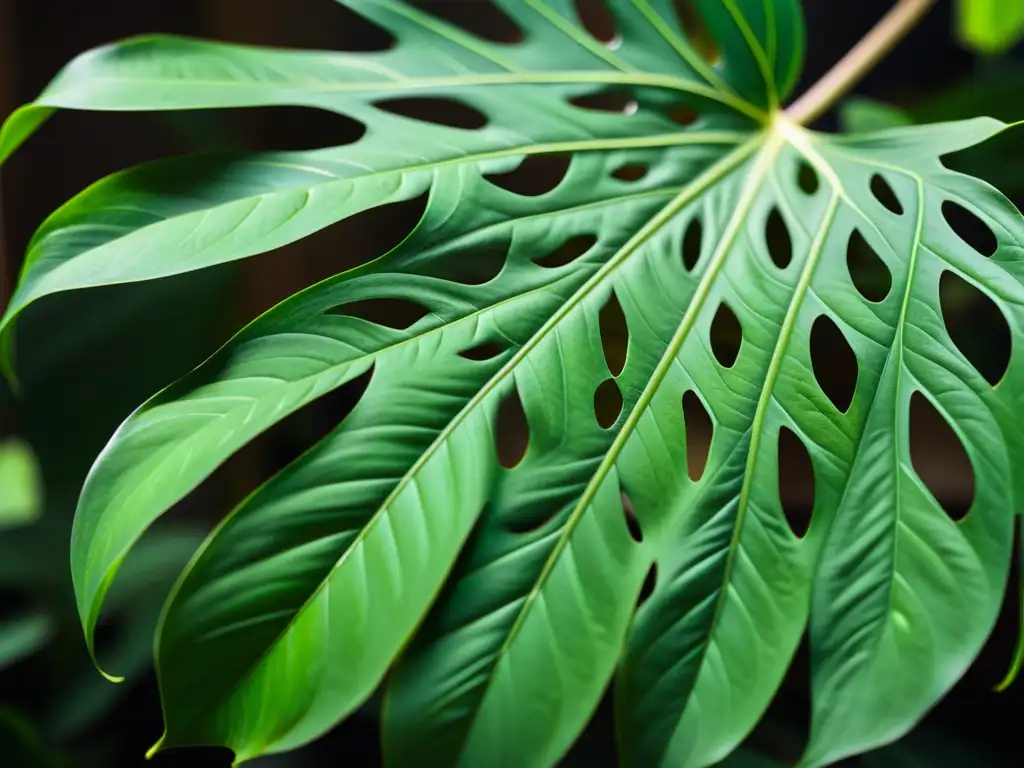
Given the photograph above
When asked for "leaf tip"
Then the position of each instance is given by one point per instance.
(108, 677)
(158, 747)
(17, 128)
(96, 662)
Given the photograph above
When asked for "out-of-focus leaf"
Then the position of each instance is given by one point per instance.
(930, 746)
(20, 485)
(150, 570)
(22, 636)
(991, 26)
(21, 745)
(88, 698)
(861, 115)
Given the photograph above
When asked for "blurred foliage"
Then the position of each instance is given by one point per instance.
(104, 352)
(20, 485)
(863, 115)
(991, 26)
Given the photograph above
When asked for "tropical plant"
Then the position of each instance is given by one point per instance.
(500, 587)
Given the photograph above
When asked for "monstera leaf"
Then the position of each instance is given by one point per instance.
(501, 590)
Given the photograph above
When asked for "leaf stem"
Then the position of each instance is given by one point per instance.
(860, 60)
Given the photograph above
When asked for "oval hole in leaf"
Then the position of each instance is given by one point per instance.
(796, 482)
(885, 194)
(632, 521)
(597, 19)
(700, 431)
(474, 265)
(692, 240)
(276, 275)
(284, 442)
(969, 228)
(776, 237)
(726, 336)
(567, 252)
(807, 178)
(620, 102)
(512, 432)
(536, 175)
(359, 34)
(481, 18)
(939, 458)
(607, 403)
(869, 274)
(630, 172)
(976, 326)
(682, 114)
(697, 32)
(436, 110)
(399, 314)
(649, 585)
(283, 128)
(834, 362)
(488, 350)
(614, 334)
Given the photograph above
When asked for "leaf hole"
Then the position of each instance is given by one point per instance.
(607, 403)
(481, 18)
(970, 228)
(630, 172)
(512, 431)
(488, 350)
(636, 532)
(807, 178)
(536, 175)
(649, 585)
(617, 102)
(567, 252)
(682, 114)
(614, 334)
(276, 275)
(796, 482)
(700, 431)
(870, 275)
(359, 34)
(475, 265)
(780, 244)
(399, 314)
(291, 437)
(692, 242)
(976, 326)
(726, 336)
(436, 110)
(696, 29)
(283, 128)
(885, 194)
(598, 20)
(939, 458)
(834, 363)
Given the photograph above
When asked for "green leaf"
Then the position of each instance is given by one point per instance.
(990, 26)
(20, 485)
(862, 115)
(22, 636)
(502, 595)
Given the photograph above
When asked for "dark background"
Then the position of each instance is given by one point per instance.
(83, 375)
